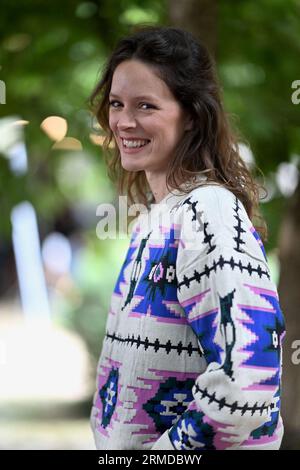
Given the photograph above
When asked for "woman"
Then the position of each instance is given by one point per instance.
(191, 358)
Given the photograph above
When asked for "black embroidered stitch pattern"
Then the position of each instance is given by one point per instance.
(234, 407)
(198, 217)
(202, 226)
(156, 345)
(220, 264)
(207, 239)
(239, 229)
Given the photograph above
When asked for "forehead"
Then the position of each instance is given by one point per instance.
(134, 79)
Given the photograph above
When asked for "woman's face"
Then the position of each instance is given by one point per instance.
(142, 107)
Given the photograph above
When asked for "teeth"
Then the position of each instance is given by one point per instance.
(134, 143)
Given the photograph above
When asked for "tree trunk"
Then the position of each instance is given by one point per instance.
(200, 18)
(197, 16)
(289, 295)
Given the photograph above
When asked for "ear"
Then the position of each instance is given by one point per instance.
(188, 124)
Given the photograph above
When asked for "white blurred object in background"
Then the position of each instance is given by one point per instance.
(287, 177)
(40, 362)
(25, 235)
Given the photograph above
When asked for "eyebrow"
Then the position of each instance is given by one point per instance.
(141, 97)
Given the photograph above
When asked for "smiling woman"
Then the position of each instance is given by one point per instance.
(161, 84)
(191, 358)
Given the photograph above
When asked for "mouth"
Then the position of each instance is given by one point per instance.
(132, 149)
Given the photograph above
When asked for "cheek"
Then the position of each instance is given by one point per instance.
(111, 122)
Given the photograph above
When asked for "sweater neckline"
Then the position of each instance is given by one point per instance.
(175, 193)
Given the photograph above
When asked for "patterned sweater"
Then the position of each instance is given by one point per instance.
(191, 358)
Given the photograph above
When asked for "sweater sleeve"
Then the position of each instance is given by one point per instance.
(231, 304)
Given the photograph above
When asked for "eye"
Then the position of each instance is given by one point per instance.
(112, 102)
(149, 106)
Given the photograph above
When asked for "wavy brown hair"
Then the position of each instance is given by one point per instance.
(209, 148)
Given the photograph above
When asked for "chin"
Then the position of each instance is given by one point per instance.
(131, 166)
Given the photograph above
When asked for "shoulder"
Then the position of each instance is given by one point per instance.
(216, 204)
(222, 219)
(214, 196)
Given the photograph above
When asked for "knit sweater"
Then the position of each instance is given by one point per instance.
(192, 353)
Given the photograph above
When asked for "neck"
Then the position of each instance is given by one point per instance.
(158, 186)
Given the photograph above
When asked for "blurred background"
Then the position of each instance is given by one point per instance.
(56, 275)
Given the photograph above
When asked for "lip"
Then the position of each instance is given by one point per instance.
(133, 138)
(133, 149)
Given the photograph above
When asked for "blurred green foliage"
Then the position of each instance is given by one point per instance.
(51, 54)
(84, 309)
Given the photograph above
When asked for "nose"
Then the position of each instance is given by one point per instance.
(126, 119)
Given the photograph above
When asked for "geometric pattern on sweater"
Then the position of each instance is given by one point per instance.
(257, 238)
(191, 432)
(197, 219)
(171, 399)
(154, 283)
(128, 259)
(108, 395)
(234, 407)
(201, 325)
(154, 345)
(148, 407)
(158, 279)
(135, 271)
(195, 331)
(227, 327)
(162, 402)
(234, 264)
(267, 432)
(238, 228)
(262, 331)
(269, 333)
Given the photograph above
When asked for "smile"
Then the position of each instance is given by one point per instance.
(132, 146)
